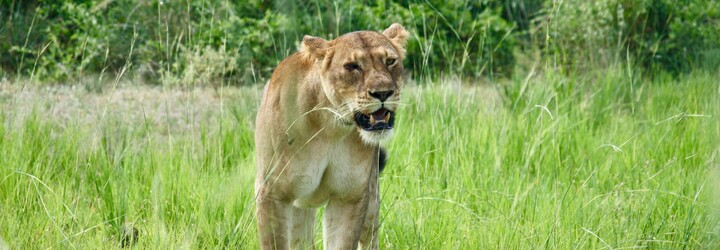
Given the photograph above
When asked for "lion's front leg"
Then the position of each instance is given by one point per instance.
(343, 222)
(369, 236)
(272, 216)
(302, 230)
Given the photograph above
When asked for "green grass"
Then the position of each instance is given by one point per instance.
(570, 162)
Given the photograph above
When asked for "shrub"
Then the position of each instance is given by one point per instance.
(451, 37)
(82, 37)
(655, 34)
(239, 43)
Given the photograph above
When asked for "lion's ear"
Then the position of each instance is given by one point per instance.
(398, 35)
(314, 46)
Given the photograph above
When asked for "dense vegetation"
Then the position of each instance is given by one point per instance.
(239, 42)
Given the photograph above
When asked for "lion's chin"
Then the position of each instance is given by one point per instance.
(375, 137)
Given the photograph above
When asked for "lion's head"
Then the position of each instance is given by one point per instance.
(362, 75)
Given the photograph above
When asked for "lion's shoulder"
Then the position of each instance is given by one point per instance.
(290, 69)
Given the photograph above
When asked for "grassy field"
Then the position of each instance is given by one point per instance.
(602, 160)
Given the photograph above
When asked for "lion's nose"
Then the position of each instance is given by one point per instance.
(381, 95)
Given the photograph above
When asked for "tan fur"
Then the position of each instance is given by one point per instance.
(309, 150)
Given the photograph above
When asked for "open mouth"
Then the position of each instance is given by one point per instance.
(379, 120)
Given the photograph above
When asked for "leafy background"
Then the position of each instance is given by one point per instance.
(239, 42)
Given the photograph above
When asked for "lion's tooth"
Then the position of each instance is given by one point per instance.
(372, 119)
(387, 117)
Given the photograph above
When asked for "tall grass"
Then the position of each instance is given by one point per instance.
(555, 164)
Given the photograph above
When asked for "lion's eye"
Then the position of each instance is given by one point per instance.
(390, 62)
(352, 66)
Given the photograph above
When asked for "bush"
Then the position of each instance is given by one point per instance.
(226, 42)
(66, 38)
(467, 39)
(81, 37)
(452, 37)
(667, 35)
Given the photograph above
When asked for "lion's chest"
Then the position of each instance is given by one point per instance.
(332, 171)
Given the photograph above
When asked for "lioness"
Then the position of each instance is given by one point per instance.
(323, 115)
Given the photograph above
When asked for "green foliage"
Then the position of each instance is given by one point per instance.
(58, 40)
(165, 39)
(241, 42)
(469, 39)
(665, 35)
